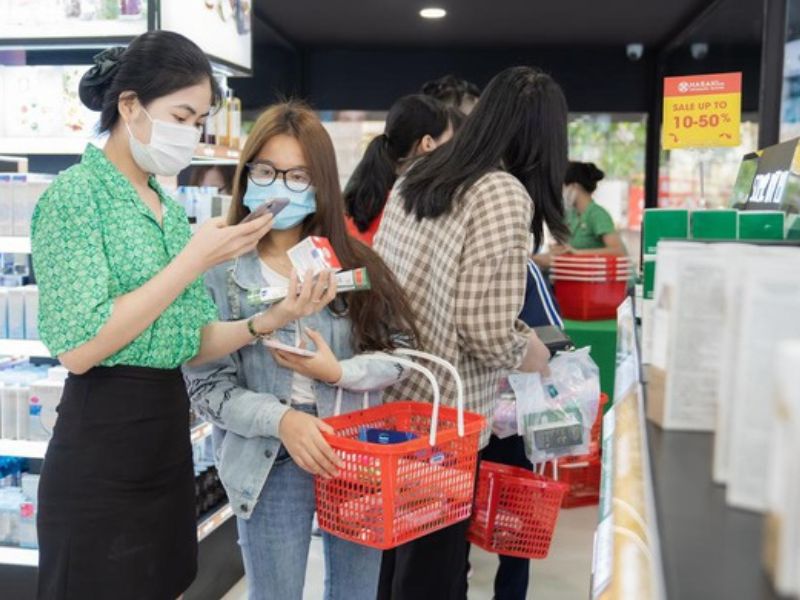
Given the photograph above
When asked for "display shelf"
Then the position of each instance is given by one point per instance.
(29, 449)
(71, 31)
(214, 521)
(709, 549)
(26, 557)
(212, 154)
(22, 448)
(23, 348)
(205, 154)
(46, 145)
(17, 244)
(23, 557)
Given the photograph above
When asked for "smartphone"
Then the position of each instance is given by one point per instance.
(290, 349)
(274, 206)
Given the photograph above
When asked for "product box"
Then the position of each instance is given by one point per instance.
(43, 401)
(31, 299)
(8, 412)
(649, 279)
(761, 224)
(315, 254)
(718, 224)
(31, 295)
(27, 189)
(6, 205)
(3, 312)
(664, 223)
(781, 551)
(16, 313)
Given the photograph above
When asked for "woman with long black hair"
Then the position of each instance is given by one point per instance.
(122, 306)
(456, 233)
(415, 125)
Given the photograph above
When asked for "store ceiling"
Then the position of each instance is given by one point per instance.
(499, 23)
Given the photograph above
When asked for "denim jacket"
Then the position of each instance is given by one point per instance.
(245, 394)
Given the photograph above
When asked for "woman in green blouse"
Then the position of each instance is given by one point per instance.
(592, 230)
(122, 307)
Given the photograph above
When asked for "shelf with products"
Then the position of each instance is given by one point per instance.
(15, 244)
(30, 348)
(22, 557)
(29, 557)
(37, 449)
(205, 153)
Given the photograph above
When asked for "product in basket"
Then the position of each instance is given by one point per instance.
(315, 254)
(384, 436)
(355, 280)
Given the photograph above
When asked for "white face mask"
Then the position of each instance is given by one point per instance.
(170, 149)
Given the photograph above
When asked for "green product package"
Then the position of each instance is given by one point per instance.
(664, 223)
(715, 224)
(649, 268)
(761, 224)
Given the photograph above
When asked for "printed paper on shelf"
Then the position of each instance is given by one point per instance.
(35, 107)
(782, 523)
(769, 315)
(702, 111)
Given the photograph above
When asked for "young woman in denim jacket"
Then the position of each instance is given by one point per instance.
(266, 405)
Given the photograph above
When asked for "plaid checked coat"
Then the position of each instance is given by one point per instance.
(464, 274)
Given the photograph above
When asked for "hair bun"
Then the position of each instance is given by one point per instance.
(594, 173)
(96, 80)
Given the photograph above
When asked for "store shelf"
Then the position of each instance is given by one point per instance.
(23, 348)
(205, 154)
(709, 550)
(71, 31)
(215, 520)
(30, 558)
(23, 557)
(17, 244)
(22, 448)
(46, 145)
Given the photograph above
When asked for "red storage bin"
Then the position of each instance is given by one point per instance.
(589, 300)
(515, 511)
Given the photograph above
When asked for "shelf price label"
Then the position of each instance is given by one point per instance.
(702, 111)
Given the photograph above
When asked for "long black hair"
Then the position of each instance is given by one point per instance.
(520, 125)
(410, 119)
(587, 175)
(155, 64)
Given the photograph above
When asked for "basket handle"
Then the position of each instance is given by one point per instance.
(337, 409)
(381, 356)
(456, 377)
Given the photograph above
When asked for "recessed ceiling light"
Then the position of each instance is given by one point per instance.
(432, 13)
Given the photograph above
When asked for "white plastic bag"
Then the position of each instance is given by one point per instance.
(555, 415)
(504, 421)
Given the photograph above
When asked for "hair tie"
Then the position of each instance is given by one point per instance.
(105, 66)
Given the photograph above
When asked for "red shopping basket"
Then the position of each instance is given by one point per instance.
(387, 495)
(582, 473)
(515, 511)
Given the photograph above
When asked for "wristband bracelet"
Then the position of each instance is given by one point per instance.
(251, 328)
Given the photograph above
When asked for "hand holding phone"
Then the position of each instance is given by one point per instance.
(273, 206)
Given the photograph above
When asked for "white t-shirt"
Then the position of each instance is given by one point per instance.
(302, 390)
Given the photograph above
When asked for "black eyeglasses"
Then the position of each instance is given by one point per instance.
(264, 174)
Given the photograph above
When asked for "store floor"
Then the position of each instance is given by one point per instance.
(564, 575)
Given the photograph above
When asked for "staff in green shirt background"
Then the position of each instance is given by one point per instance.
(592, 229)
(122, 306)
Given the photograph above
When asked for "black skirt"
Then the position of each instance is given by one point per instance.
(116, 499)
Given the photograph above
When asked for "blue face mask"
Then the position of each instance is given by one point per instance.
(301, 204)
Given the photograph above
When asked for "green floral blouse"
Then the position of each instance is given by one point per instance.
(94, 240)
